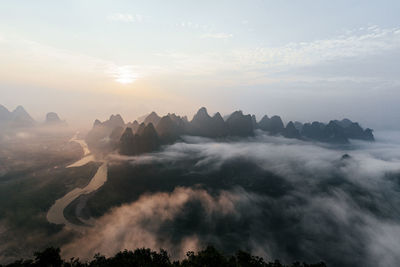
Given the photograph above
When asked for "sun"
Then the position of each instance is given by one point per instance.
(124, 74)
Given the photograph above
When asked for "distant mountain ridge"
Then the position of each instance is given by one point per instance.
(20, 118)
(133, 138)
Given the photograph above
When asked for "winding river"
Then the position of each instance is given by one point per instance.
(56, 212)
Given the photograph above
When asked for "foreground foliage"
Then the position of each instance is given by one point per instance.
(143, 257)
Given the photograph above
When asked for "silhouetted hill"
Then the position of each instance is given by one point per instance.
(145, 140)
(273, 125)
(240, 125)
(201, 124)
(21, 117)
(291, 132)
(18, 118)
(169, 128)
(220, 128)
(99, 136)
(152, 118)
(5, 115)
(133, 125)
(336, 132)
(264, 123)
(52, 119)
(128, 143)
(114, 121)
(204, 125)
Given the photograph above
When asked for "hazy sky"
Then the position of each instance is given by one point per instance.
(303, 60)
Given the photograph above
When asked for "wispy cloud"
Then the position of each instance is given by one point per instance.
(263, 64)
(362, 42)
(125, 17)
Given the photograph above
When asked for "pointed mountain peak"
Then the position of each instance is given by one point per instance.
(202, 112)
(152, 118)
(218, 116)
(127, 134)
(116, 117)
(237, 113)
(96, 123)
(114, 121)
(19, 109)
(276, 117)
(265, 118)
(22, 116)
(3, 109)
(149, 128)
(140, 130)
(5, 114)
(290, 125)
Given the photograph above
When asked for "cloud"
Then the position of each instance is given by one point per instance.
(134, 225)
(371, 41)
(276, 197)
(126, 17)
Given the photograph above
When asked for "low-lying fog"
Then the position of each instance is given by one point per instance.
(339, 208)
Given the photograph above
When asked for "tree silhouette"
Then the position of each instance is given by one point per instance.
(145, 257)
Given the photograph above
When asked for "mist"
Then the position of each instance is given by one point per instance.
(323, 206)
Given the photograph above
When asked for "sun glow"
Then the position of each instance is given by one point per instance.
(123, 74)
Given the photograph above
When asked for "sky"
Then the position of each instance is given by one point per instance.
(304, 60)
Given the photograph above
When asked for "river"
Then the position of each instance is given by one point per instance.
(56, 212)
